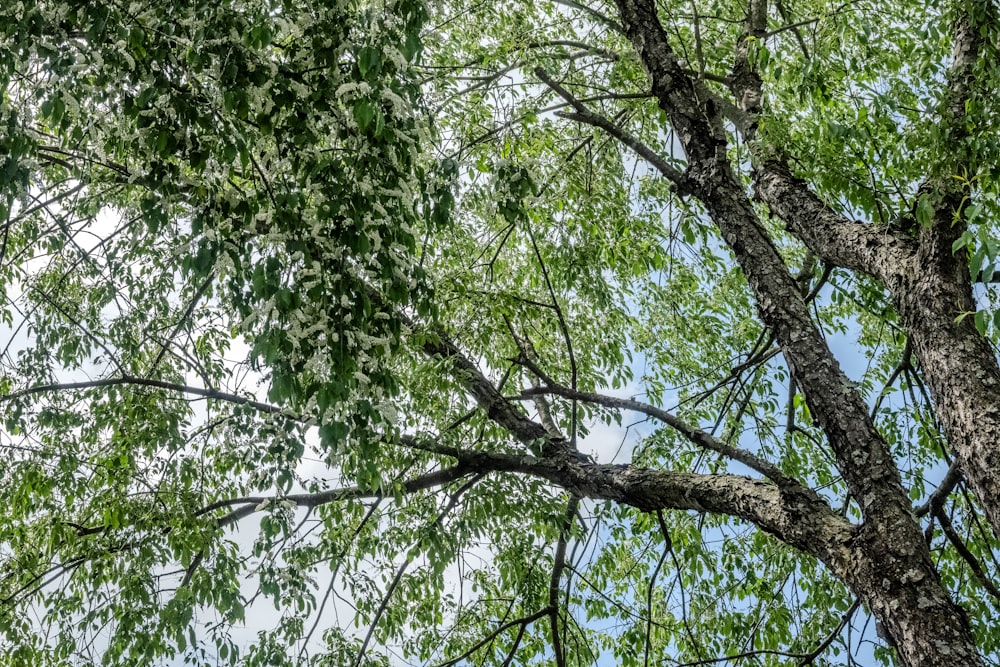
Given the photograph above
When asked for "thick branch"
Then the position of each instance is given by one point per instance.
(795, 515)
(694, 115)
(837, 240)
(934, 289)
(892, 543)
(862, 456)
(949, 182)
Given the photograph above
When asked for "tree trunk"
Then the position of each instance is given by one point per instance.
(960, 368)
(897, 581)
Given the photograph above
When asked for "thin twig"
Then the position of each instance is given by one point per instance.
(695, 435)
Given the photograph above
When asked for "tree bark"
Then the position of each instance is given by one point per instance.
(894, 576)
(960, 369)
(890, 565)
(930, 286)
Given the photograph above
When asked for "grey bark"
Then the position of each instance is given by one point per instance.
(903, 590)
(884, 561)
(930, 286)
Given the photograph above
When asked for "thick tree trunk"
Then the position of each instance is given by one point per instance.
(960, 369)
(898, 583)
(891, 570)
(933, 291)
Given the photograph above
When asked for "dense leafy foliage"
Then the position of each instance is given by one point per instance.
(272, 267)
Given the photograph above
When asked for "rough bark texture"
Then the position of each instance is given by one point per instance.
(885, 561)
(839, 241)
(931, 289)
(894, 574)
(890, 568)
(934, 291)
(960, 369)
(895, 579)
(796, 515)
(862, 456)
(929, 284)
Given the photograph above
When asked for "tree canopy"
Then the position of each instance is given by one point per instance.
(384, 332)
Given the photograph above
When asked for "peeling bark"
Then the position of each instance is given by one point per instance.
(930, 286)
(836, 240)
(898, 583)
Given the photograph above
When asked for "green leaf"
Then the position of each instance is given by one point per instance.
(370, 61)
(364, 114)
(924, 210)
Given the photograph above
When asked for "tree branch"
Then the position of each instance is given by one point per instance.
(936, 501)
(584, 115)
(522, 622)
(862, 456)
(490, 400)
(967, 556)
(253, 504)
(593, 13)
(383, 605)
(695, 435)
(559, 563)
(832, 237)
(876, 251)
(143, 382)
(796, 515)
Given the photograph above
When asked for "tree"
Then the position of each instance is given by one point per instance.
(322, 316)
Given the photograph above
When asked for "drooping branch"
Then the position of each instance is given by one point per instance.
(593, 13)
(583, 46)
(253, 504)
(143, 382)
(559, 564)
(387, 596)
(970, 558)
(520, 623)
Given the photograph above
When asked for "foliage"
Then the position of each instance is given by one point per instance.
(302, 295)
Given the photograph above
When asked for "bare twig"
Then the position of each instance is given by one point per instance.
(584, 115)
